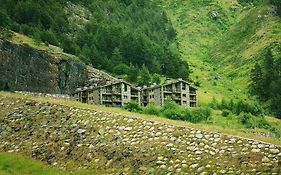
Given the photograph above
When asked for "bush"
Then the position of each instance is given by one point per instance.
(201, 114)
(169, 104)
(251, 121)
(223, 104)
(247, 107)
(225, 113)
(251, 107)
(173, 114)
(197, 115)
(214, 103)
(247, 120)
(152, 110)
(133, 106)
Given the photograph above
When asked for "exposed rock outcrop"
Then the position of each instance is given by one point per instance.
(24, 68)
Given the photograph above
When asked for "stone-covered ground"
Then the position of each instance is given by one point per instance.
(73, 138)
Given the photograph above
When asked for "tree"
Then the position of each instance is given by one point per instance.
(257, 80)
(116, 56)
(133, 73)
(144, 76)
(4, 20)
(156, 78)
(121, 69)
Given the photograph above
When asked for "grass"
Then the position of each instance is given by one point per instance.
(218, 125)
(14, 164)
(23, 39)
(17, 164)
(222, 51)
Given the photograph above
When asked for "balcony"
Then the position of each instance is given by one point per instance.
(193, 99)
(192, 92)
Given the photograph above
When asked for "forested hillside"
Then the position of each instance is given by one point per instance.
(129, 38)
(266, 78)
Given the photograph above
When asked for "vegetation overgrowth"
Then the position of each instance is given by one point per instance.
(172, 111)
(266, 78)
(223, 40)
(247, 114)
(129, 38)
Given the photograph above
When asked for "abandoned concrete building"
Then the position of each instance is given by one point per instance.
(115, 94)
(179, 91)
(118, 93)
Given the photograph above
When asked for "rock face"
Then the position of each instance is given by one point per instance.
(23, 68)
(72, 138)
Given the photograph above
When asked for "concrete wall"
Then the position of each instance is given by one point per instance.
(96, 96)
(158, 96)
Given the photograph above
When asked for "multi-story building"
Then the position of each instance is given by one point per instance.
(179, 91)
(114, 94)
(118, 93)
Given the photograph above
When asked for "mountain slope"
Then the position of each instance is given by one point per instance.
(106, 34)
(221, 40)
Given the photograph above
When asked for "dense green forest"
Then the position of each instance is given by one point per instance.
(266, 78)
(131, 38)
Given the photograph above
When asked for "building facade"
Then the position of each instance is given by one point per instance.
(119, 93)
(179, 91)
(115, 94)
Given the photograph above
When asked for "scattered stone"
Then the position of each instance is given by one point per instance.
(128, 128)
(169, 145)
(194, 166)
(265, 159)
(199, 136)
(255, 150)
(81, 131)
(274, 151)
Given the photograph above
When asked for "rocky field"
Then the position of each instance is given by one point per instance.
(74, 138)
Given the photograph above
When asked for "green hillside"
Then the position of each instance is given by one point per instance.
(221, 40)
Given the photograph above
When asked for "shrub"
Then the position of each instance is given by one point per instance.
(251, 121)
(169, 104)
(247, 120)
(173, 114)
(171, 110)
(214, 103)
(225, 113)
(247, 107)
(223, 104)
(133, 106)
(152, 110)
(197, 115)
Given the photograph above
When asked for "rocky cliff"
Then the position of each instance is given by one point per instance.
(111, 143)
(23, 68)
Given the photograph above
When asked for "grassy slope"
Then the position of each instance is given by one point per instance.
(16, 164)
(221, 50)
(13, 164)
